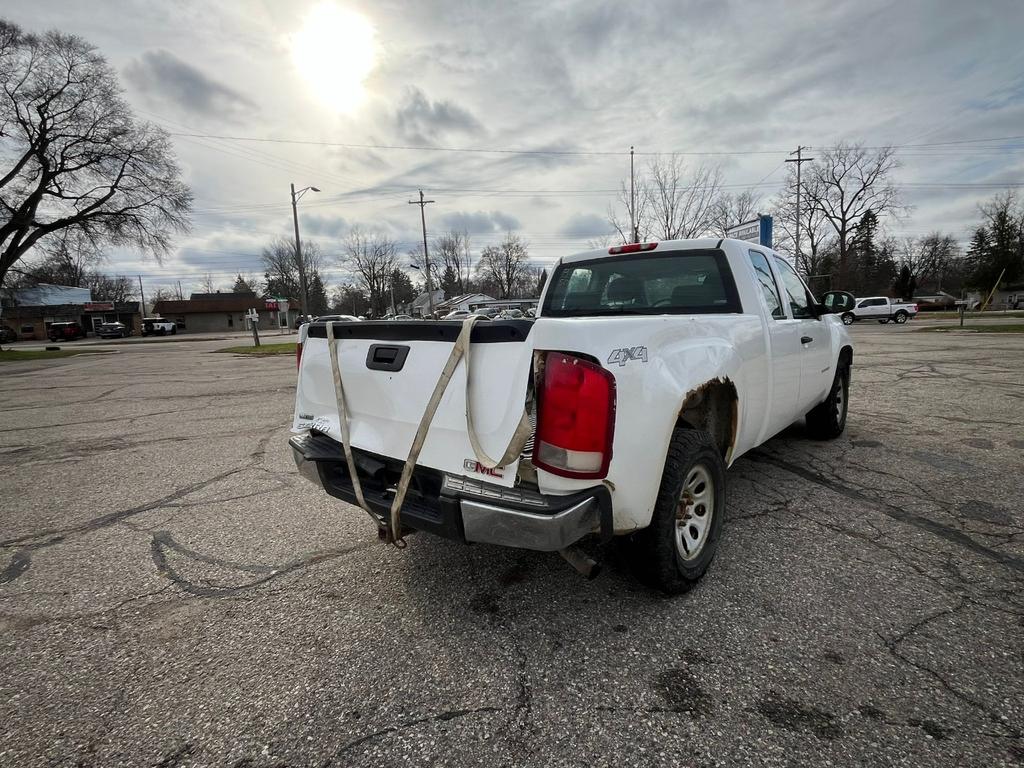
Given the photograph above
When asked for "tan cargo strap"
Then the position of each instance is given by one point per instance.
(459, 351)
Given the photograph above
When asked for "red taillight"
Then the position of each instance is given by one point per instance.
(298, 355)
(575, 417)
(633, 248)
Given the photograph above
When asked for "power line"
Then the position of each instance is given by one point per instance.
(553, 152)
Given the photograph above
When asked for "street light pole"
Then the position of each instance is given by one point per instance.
(299, 261)
(426, 256)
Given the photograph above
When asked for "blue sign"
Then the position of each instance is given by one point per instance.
(757, 230)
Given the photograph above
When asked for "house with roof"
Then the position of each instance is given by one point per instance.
(466, 302)
(420, 306)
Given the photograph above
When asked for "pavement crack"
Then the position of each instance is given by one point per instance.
(162, 542)
(897, 513)
(451, 714)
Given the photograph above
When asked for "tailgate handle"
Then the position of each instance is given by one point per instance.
(386, 357)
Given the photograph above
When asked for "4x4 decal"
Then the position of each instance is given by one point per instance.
(626, 354)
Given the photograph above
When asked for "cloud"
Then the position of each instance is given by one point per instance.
(480, 222)
(319, 225)
(583, 225)
(421, 121)
(161, 74)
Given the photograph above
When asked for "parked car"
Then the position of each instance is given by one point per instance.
(7, 334)
(113, 331)
(488, 312)
(65, 331)
(403, 317)
(880, 308)
(649, 370)
(303, 319)
(158, 326)
(458, 314)
(510, 314)
(337, 318)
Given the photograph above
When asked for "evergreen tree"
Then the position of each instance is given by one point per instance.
(997, 247)
(317, 295)
(450, 282)
(242, 285)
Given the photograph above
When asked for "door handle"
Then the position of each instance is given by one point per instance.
(806, 339)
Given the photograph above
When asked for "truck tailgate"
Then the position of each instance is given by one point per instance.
(385, 406)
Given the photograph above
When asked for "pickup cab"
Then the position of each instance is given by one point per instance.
(649, 369)
(880, 308)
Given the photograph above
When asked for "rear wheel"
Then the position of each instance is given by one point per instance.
(827, 420)
(174, 331)
(848, 318)
(675, 550)
(901, 317)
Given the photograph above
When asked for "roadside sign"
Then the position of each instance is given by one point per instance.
(99, 306)
(757, 230)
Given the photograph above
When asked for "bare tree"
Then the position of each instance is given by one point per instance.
(683, 203)
(731, 210)
(117, 288)
(504, 265)
(844, 183)
(452, 248)
(926, 258)
(373, 257)
(619, 217)
(207, 284)
(816, 251)
(283, 268)
(671, 201)
(72, 155)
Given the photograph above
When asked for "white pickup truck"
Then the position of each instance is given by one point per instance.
(880, 308)
(158, 326)
(649, 369)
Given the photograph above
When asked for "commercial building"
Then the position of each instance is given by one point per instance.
(228, 312)
(30, 311)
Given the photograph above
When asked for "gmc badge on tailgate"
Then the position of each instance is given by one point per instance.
(472, 465)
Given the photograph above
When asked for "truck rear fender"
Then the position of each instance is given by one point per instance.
(714, 408)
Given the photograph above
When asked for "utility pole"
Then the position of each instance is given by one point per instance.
(632, 200)
(799, 160)
(426, 257)
(298, 256)
(180, 297)
(142, 305)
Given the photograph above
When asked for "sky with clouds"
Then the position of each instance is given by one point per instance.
(351, 93)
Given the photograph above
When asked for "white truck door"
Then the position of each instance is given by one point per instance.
(815, 340)
(872, 308)
(784, 343)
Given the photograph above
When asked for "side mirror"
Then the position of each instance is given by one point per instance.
(837, 302)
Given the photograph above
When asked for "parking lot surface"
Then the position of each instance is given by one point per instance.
(173, 594)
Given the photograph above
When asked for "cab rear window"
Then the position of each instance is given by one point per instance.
(693, 282)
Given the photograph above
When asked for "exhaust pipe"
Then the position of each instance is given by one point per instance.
(581, 561)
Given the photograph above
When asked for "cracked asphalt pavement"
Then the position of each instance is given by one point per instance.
(172, 593)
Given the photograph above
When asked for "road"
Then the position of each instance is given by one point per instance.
(173, 594)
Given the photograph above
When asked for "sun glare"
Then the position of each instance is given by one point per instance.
(334, 51)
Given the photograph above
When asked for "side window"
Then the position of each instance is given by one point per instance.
(799, 299)
(767, 282)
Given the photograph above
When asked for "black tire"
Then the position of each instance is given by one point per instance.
(848, 318)
(174, 331)
(827, 420)
(655, 550)
(901, 317)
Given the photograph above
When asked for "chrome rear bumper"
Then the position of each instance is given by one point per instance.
(463, 508)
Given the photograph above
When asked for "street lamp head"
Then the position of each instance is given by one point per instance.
(314, 189)
(415, 266)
